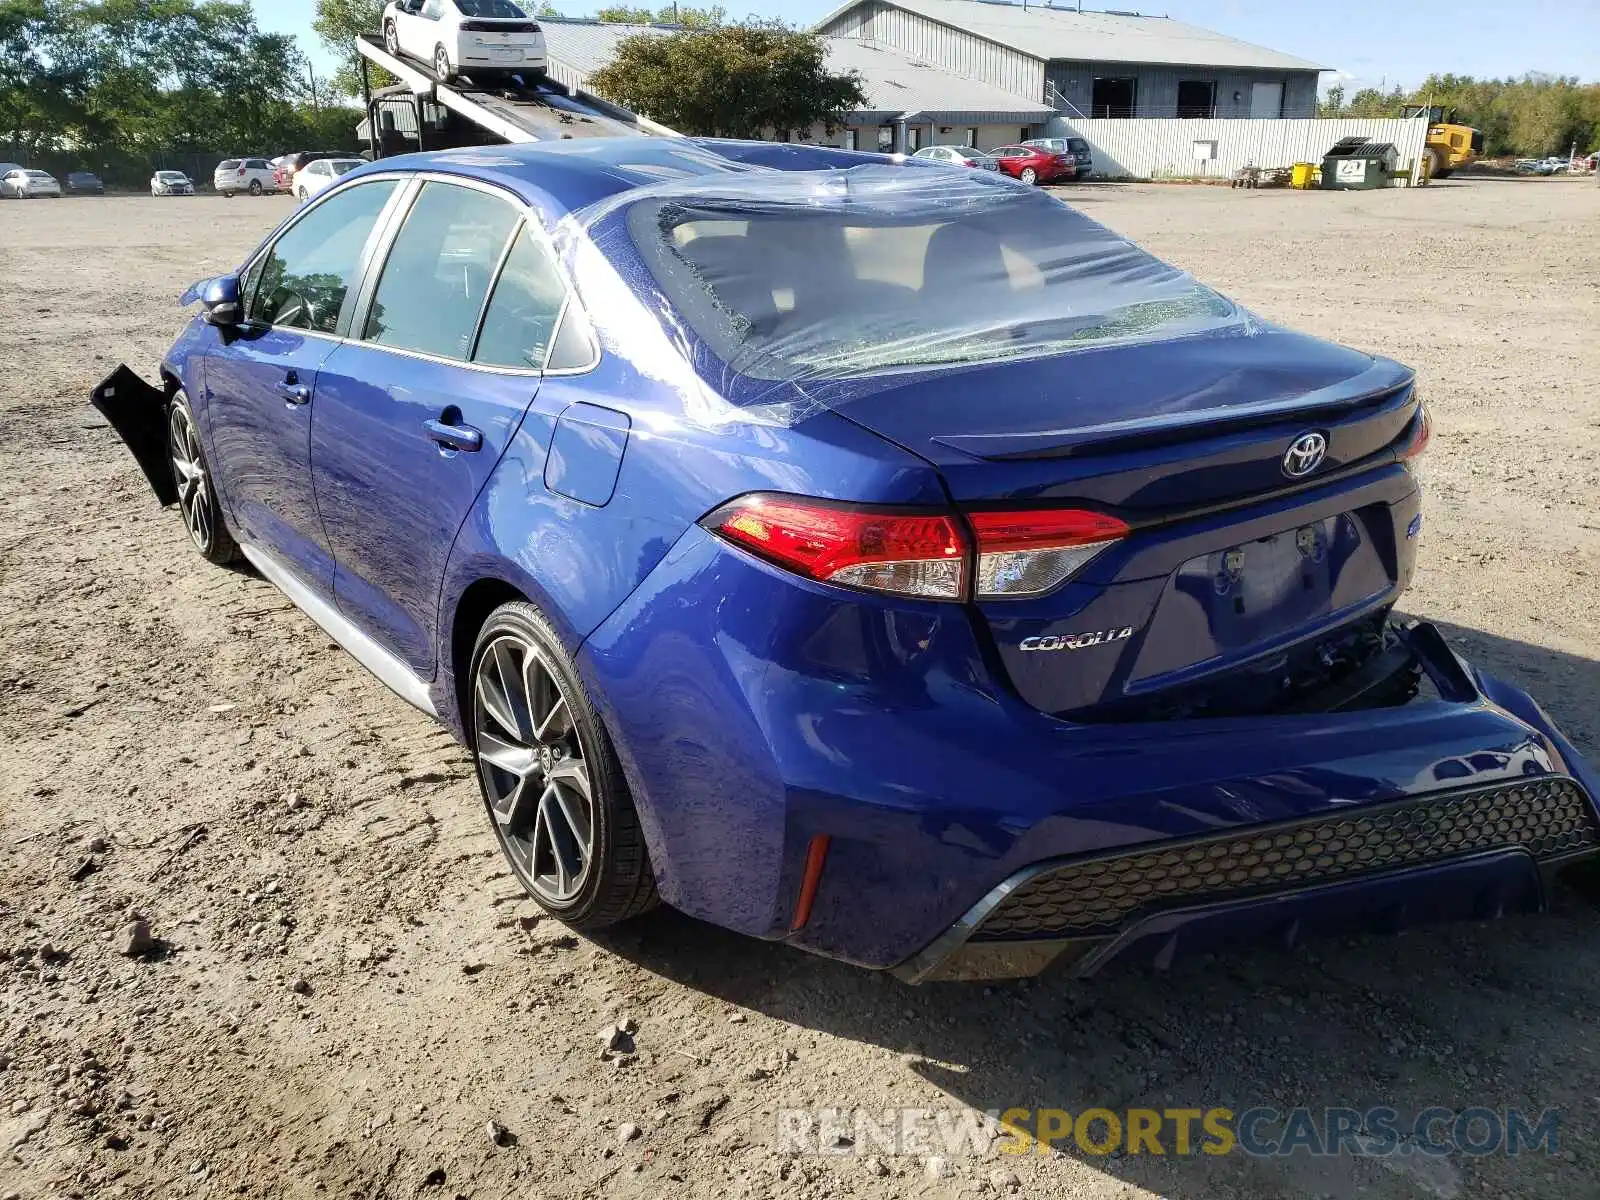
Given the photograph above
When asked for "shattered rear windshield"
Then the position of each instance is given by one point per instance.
(835, 274)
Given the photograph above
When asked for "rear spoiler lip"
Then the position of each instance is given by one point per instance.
(1383, 382)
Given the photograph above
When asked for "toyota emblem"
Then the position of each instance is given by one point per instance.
(1304, 455)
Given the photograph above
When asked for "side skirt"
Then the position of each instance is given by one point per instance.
(391, 672)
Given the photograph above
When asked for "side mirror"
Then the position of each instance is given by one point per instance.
(221, 299)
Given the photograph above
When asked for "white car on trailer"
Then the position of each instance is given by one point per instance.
(480, 38)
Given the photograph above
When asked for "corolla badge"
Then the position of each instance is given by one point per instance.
(1077, 641)
(1305, 455)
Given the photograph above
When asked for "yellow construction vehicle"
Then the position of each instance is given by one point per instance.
(1450, 146)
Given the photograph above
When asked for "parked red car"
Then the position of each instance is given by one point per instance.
(1033, 165)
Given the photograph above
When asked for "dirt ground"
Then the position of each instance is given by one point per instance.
(354, 1000)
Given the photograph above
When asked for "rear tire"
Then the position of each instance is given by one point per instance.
(197, 497)
(391, 39)
(255, 187)
(442, 69)
(1029, 176)
(552, 786)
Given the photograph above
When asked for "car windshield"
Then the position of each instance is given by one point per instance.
(231, 164)
(968, 152)
(39, 175)
(171, 176)
(846, 273)
(343, 165)
(503, 9)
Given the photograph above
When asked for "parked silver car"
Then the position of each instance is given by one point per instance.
(171, 183)
(960, 156)
(24, 184)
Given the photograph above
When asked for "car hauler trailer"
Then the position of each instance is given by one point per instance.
(422, 113)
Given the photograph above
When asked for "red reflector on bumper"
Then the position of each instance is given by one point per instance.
(810, 880)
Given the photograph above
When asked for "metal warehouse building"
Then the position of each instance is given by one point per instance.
(910, 103)
(987, 73)
(1088, 64)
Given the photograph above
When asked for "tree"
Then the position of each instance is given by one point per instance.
(1534, 115)
(685, 15)
(338, 23)
(130, 85)
(747, 80)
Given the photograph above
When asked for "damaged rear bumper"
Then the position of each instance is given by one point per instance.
(1473, 853)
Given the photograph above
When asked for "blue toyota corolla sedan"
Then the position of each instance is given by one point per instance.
(880, 558)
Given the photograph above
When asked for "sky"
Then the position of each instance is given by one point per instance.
(1364, 42)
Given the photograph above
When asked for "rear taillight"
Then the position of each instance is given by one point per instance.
(1029, 553)
(927, 555)
(909, 554)
(241, 172)
(1417, 436)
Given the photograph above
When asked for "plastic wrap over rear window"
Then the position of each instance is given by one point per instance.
(808, 285)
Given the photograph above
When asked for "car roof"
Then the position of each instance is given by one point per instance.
(560, 177)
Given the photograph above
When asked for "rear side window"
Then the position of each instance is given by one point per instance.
(307, 274)
(523, 312)
(437, 275)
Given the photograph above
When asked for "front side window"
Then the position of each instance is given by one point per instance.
(438, 272)
(522, 314)
(307, 274)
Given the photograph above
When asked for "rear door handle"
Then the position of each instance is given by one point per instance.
(454, 437)
(294, 393)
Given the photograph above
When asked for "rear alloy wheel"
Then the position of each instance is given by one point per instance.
(197, 498)
(391, 39)
(441, 65)
(255, 187)
(1029, 176)
(551, 782)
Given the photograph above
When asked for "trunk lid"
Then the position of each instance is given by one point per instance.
(1234, 574)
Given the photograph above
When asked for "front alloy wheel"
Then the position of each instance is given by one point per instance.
(441, 64)
(197, 498)
(391, 39)
(551, 782)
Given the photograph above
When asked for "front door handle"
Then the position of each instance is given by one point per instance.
(294, 393)
(454, 437)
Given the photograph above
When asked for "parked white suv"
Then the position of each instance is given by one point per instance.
(253, 175)
(316, 176)
(466, 37)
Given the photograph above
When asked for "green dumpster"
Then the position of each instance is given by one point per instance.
(1356, 164)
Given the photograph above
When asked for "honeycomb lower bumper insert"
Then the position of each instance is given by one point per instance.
(1036, 915)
